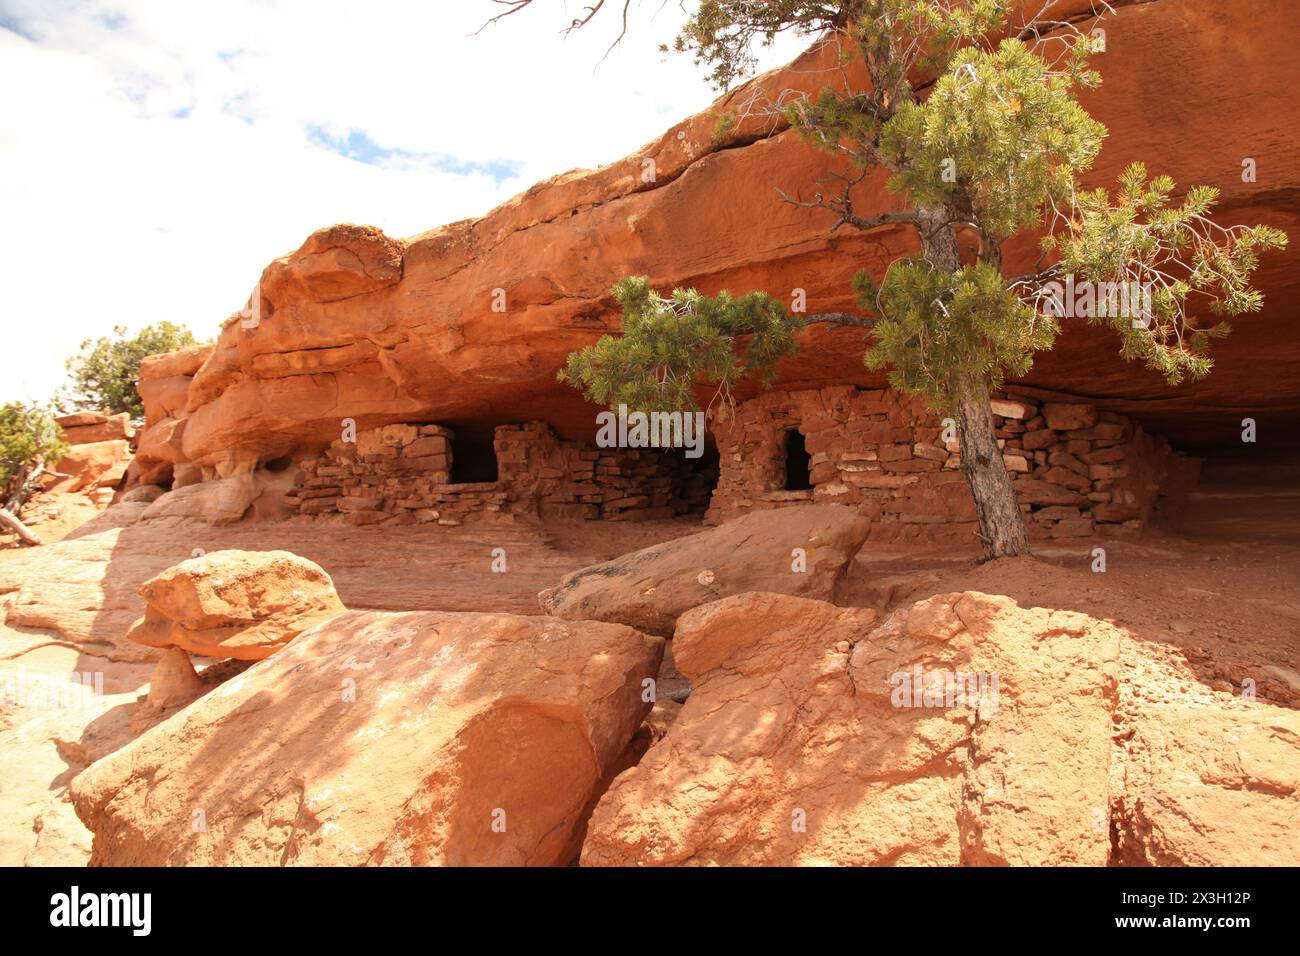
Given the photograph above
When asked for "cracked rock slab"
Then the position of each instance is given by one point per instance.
(1209, 782)
(798, 746)
(417, 738)
(803, 551)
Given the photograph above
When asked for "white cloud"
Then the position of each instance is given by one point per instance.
(157, 155)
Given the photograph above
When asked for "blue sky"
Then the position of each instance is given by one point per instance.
(155, 155)
(356, 144)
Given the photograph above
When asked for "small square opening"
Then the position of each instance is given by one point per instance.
(798, 463)
(473, 459)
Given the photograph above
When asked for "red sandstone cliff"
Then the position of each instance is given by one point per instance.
(358, 325)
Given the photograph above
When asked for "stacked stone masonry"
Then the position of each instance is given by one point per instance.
(401, 474)
(1073, 466)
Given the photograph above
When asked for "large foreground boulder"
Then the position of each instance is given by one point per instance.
(383, 738)
(961, 730)
(243, 605)
(803, 551)
(1208, 782)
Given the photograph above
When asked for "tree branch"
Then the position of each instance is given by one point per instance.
(514, 6)
(842, 318)
(843, 208)
(10, 521)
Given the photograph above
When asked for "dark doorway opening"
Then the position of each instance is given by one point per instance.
(696, 479)
(473, 459)
(798, 463)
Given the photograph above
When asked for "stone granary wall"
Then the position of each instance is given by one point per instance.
(1073, 466)
(402, 474)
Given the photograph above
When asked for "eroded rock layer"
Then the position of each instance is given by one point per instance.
(359, 325)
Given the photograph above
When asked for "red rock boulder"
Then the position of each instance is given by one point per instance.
(804, 551)
(961, 730)
(244, 605)
(420, 738)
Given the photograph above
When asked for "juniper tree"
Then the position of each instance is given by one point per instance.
(105, 371)
(977, 122)
(29, 443)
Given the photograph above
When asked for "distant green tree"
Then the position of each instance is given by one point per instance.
(983, 137)
(105, 372)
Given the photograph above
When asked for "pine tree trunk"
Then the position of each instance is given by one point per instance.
(1002, 526)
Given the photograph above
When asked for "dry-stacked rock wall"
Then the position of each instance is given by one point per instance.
(402, 474)
(1073, 466)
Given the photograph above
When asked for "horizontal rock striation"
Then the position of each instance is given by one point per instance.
(358, 325)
